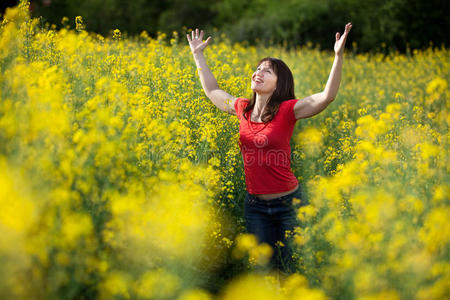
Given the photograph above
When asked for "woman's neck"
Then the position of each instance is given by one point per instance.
(260, 103)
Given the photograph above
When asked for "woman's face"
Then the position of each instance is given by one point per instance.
(264, 80)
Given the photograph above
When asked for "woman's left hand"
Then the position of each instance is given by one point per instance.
(339, 45)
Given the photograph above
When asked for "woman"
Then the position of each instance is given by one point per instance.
(266, 125)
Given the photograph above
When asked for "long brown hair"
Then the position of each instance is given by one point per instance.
(283, 92)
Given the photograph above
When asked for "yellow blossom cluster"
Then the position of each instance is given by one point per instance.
(247, 244)
(369, 223)
(268, 287)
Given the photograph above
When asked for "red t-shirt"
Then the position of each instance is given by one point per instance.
(265, 149)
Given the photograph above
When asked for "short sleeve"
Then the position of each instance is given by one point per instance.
(290, 110)
(239, 106)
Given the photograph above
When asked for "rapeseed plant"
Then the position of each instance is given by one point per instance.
(118, 178)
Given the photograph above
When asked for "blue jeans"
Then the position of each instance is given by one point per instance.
(269, 220)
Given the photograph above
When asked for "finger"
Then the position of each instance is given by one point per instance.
(347, 30)
(207, 40)
(193, 34)
(348, 27)
(337, 36)
(201, 35)
(196, 33)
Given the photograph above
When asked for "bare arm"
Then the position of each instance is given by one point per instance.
(220, 98)
(314, 104)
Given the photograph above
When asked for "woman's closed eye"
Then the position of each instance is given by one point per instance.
(265, 70)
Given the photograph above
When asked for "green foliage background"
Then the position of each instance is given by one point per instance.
(379, 25)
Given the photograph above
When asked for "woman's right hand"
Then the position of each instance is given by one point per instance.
(196, 43)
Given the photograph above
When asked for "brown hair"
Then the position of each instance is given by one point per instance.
(283, 92)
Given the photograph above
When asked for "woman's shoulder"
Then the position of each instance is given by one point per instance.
(287, 109)
(242, 101)
(240, 104)
(288, 103)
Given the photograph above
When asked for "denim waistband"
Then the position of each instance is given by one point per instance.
(274, 200)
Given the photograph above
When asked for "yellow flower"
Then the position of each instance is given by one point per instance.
(311, 139)
(75, 226)
(437, 85)
(195, 295)
(117, 34)
(115, 284)
(261, 254)
(156, 284)
(441, 193)
(250, 287)
(79, 25)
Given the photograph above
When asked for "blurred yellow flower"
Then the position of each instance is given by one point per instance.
(195, 295)
(311, 139)
(116, 284)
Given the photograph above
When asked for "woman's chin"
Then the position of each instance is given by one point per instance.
(260, 92)
(256, 90)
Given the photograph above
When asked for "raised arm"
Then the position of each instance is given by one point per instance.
(220, 98)
(314, 104)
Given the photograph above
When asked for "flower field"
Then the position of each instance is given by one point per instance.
(119, 179)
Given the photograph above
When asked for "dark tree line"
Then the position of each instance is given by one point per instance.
(377, 24)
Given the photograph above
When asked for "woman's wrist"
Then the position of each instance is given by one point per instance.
(197, 54)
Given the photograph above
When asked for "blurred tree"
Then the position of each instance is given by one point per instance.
(189, 14)
(424, 21)
(103, 16)
(393, 23)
